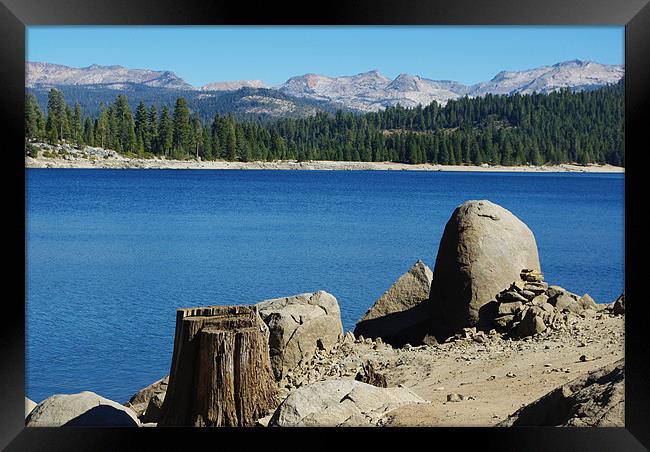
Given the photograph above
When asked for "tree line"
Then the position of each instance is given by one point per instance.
(560, 127)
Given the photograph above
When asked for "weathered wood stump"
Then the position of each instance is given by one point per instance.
(221, 372)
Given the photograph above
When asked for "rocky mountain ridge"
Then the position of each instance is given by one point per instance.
(367, 91)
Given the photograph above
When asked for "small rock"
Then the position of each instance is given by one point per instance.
(537, 287)
(349, 337)
(510, 296)
(510, 375)
(507, 308)
(554, 291)
(430, 340)
(539, 300)
(455, 397)
(528, 294)
(530, 275)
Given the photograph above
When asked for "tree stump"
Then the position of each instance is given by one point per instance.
(221, 372)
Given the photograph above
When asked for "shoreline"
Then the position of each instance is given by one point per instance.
(119, 162)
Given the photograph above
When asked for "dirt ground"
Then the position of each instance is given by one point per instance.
(496, 377)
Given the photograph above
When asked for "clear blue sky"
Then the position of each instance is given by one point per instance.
(202, 54)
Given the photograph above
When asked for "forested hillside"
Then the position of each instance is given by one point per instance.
(257, 104)
(560, 127)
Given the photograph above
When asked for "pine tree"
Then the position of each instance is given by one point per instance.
(152, 131)
(77, 125)
(125, 125)
(88, 134)
(182, 128)
(231, 143)
(32, 111)
(142, 129)
(166, 132)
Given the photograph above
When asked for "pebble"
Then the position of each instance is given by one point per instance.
(455, 397)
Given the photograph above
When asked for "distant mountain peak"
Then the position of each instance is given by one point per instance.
(233, 85)
(365, 91)
(47, 74)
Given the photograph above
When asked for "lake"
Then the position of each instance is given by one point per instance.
(111, 254)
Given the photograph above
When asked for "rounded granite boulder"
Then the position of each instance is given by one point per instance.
(483, 249)
(85, 409)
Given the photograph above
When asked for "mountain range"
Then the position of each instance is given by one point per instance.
(367, 91)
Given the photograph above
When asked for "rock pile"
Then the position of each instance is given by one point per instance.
(530, 306)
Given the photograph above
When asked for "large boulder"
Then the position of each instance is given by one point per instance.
(82, 409)
(593, 400)
(298, 326)
(483, 249)
(340, 403)
(140, 400)
(399, 315)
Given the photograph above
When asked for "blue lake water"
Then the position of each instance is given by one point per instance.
(111, 254)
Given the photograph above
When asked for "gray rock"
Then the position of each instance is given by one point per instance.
(82, 409)
(264, 422)
(573, 307)
(140, 400)
(618, 307)
(371, 375)
(561, 301)
(509, 308)
(430, 340)
(531, 275)
(154, 409)
(511, 297)
(504, 321)
(298, 326)
(593, 400)
(29, 406)
(332, 403)
(536, 287)
(402, 313)
(529, 294)
(588, 313)
(547, 307)
(532, 323)
(539, 300)
(483, 249)
(586, 302)
(554, 291)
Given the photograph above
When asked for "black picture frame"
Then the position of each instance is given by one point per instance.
(16, 14)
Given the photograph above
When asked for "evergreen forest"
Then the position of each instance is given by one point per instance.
(560, 127)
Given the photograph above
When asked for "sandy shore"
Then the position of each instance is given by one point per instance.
(120, 162)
